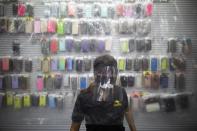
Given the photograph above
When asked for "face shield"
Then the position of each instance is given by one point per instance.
(105, 79)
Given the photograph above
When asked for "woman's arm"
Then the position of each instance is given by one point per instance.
(129, 118)
(75, 126)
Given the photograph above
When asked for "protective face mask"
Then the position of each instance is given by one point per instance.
(105, 78)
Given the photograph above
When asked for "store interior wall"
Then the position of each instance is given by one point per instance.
(174, 19)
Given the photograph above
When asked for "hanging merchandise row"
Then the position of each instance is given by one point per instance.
(139, 27)
(84, 64)
(26, 100)
(153, 63)
(152, 81)
(15, 65)
(148, 102)
(56, 45)
(95, 10)
(82, 10)
(19, 81)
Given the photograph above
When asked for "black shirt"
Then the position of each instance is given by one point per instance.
(100, 113)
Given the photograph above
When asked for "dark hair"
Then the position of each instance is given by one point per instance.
(105, 60)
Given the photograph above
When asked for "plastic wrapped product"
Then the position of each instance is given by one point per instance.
(42, 100)
(164, 64)
(61, 64)
(7, 80)
(3, 25)
(60, 27)
(155, 80)
(26, 100)
(128, 10)
(83, 82)
(131, 81)
(124, 81)
(11, 26)
(148, 45)
(55, 9)
(47, 9)
(37, 26)
(2, 100)
(9, 98)
(148, 9)
(147, 79)
(108, 44)
(88, 10)
(14, 9)
(104, 12)
(15, 82)
(71, 9)
(68, 27)
(63, 9)
(35, 100)
(131, 45)
(180, 81)
(29, 26)
(77, 45)
(121, 64)
(5, 64)
(29, 10)
(87, 64)
(97, 10)
(124, 44)
(145, 64)
(1, 83)
(139, 10)
(51, 26)
(40, 83)
(154, 64)
(164, 80)
(172, 45)
(111, 11)
(49, 82)
(52, 101)
(17, 65)
(62, 44)
(60, 101)
(83, 27)
(69, 44)
(80, 11)
(58, 81)
(23, 82)
(69, 64)
(19, 26)
(137, 65)
(16, 48)
(75, 27)
(119, 9)
(45, 46)
(46, 65)
(85, 45)
(140, 45)
(53, 45)
(129, 64)
(18, 101)
(21, 9)
(74, 82)
(66, 81)
(187, 46)
(179, 63)
(79, 65)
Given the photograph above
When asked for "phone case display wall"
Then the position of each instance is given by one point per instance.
(68, 35)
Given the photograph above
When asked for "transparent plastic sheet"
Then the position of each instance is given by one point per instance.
(105, 80)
